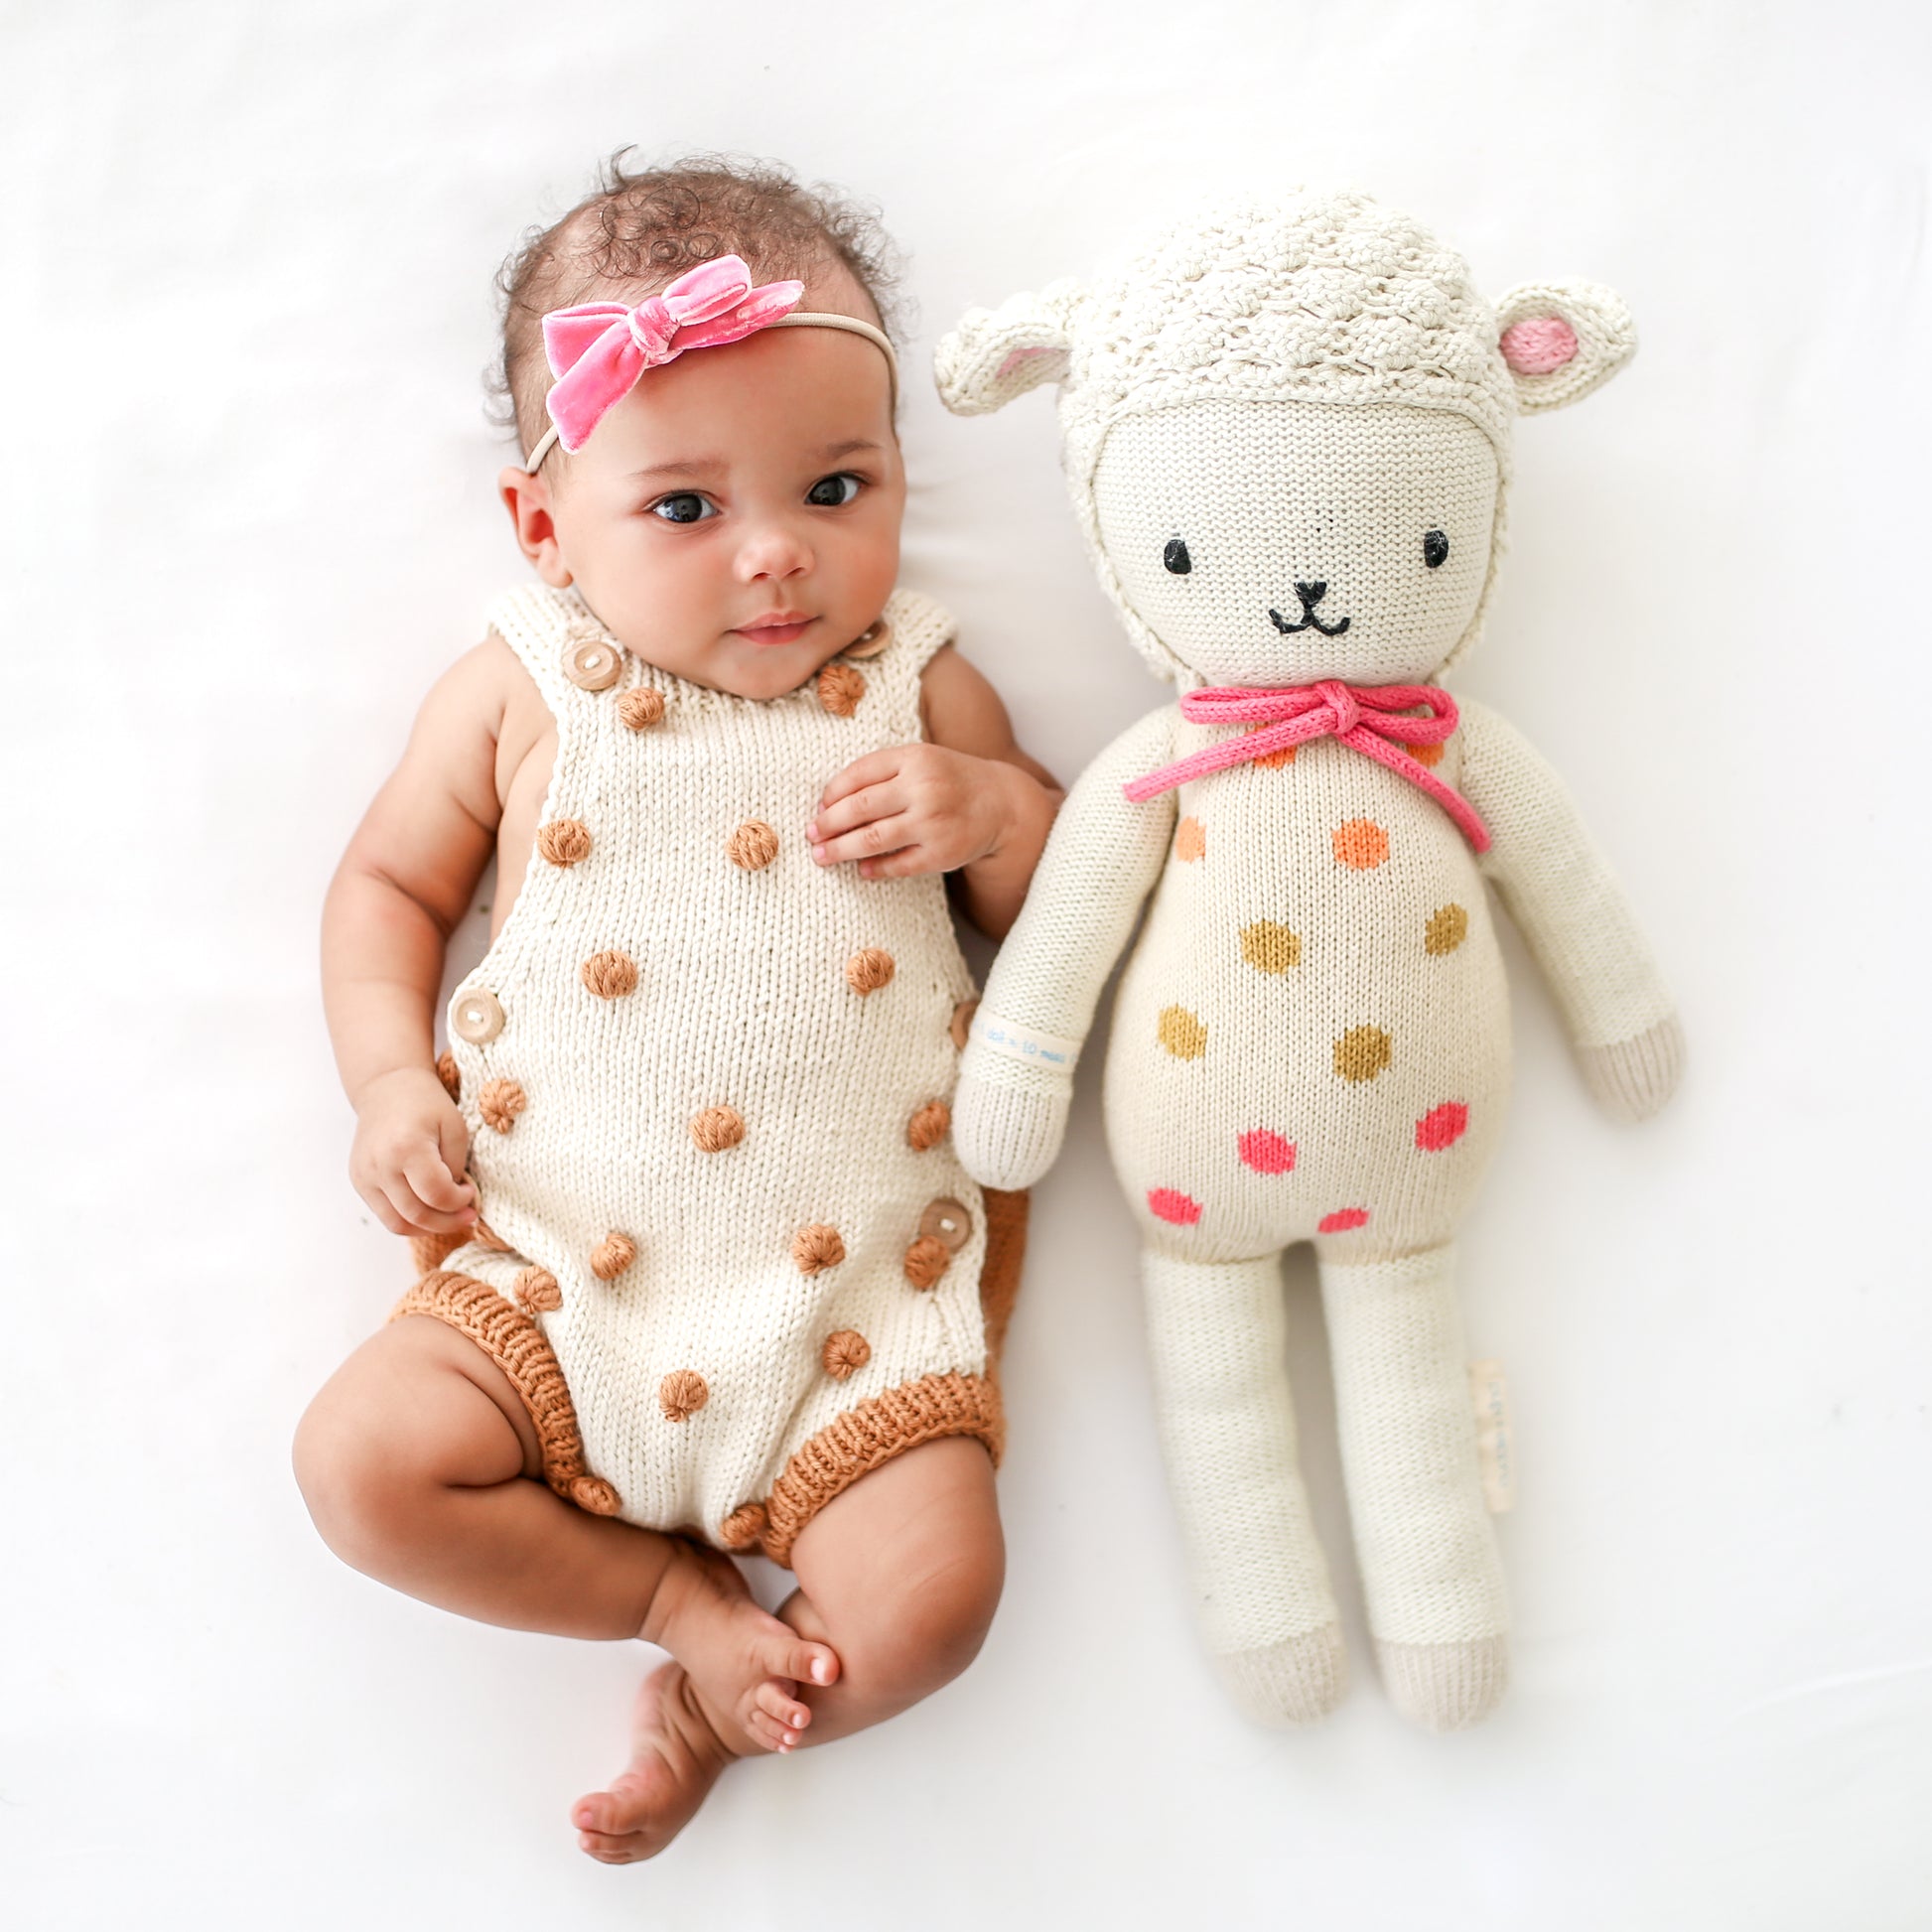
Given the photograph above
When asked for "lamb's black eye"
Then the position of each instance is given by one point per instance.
(1434, 548)
(1175, 557)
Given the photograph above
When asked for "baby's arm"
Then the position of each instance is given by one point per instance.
(405, 880)
(967, 801)
(1570, 909)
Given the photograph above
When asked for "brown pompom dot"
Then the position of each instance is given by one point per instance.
(843, 1352)
(610, 975)
(537, 1293)
(681, 1394)
(612, 1254)
(564, 840)
(926, 1260)
(927, 1127)
(447, 1073)
(960, 1027)
(752, 846)
(744, 1528)
(867, 971)
(500, 1102)
(640, 708)
(595, 1496)
(817, 1246)
(717, 1128)
(840, 688)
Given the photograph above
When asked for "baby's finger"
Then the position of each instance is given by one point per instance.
(871, 770)
(777, 1703)
(453, 1143)
(908, 862)
(765, 1731)
(870, 841)
(858, 808)
(417, 1216)
(435, 1185)
(377, 1204)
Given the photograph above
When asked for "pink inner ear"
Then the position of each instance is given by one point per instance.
(1540, 346)
(1020, 355)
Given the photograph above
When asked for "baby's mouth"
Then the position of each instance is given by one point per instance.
(780, 627)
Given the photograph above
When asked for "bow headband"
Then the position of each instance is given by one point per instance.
(598, 349)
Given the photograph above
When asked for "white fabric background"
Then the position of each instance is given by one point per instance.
(250, 515)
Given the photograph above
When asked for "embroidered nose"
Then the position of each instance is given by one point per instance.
(1310, 593)
(1341, 701)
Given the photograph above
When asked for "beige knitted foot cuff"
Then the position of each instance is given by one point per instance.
(1295, 1682)
(1445, 1685)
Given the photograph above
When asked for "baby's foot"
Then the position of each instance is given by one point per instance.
(745, 1665)
(675, 1758)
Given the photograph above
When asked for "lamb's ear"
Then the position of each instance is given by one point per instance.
(993, 356)
(1561, 340)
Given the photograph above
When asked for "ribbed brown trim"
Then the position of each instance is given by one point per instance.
(428, 1252)
(865, 1438)
(516, 1345)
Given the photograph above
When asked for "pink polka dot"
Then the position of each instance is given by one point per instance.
(1170, 1204)
(1342, 1220)
(1443, 1126)
(1266, 1152)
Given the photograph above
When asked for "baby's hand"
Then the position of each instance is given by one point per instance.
(915, 809)
(410, 1148)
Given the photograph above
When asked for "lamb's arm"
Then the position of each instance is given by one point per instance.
(1571, 912)
(1016, 1081)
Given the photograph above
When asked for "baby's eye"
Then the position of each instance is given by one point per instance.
(683, 506)
(1175, 557)
(1434, 548)
(829, 492)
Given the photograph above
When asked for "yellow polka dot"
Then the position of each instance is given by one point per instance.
(1270, 948)
(1361, 1054)
(1448, 928)
(1360, 843)
(1181, 1033)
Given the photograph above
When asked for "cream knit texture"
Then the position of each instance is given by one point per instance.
(720, 1048)
(1287, 434)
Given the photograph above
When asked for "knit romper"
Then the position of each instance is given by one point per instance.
(727, 1255)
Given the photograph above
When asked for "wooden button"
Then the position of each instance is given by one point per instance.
(869, 644)
(594, 665)
(961, 1028)
(475, 1015)
(947, 1221)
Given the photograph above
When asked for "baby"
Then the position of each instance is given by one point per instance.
(702, 1271)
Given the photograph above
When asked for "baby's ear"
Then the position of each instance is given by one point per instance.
(993, 356)
(1561, 340)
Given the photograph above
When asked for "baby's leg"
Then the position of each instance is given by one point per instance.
(900, 1575)
(416, 1459)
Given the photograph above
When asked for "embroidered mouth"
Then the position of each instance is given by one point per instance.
(1310, 595)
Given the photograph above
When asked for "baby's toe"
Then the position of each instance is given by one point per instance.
(774, 1701)
(768, 1733)
(607, 1848)
(619, 1811)
(800, 1660)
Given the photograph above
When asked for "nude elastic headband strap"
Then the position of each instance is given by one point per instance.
(807, 320)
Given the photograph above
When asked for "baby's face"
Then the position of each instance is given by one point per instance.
(735, 519)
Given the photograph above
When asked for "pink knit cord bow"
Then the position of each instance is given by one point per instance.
(1367, 718)
(598, 350)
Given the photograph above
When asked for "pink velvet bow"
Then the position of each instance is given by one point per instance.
(598, 350)
(1368, 718)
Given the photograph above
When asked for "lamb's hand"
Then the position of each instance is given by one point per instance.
(1007, 1119)
(1632, 1078)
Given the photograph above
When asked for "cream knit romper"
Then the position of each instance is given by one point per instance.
(729, 1258)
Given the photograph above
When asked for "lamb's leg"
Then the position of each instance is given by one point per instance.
(1217, 1330)
(1429, 1565)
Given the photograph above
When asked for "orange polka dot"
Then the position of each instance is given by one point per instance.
(1190, 840)
(1273, 760)
(1360, 843)
(1425, 754)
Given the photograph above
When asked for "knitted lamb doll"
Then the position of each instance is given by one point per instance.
(1287, 433)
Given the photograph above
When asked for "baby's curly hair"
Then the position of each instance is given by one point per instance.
(640, 230)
